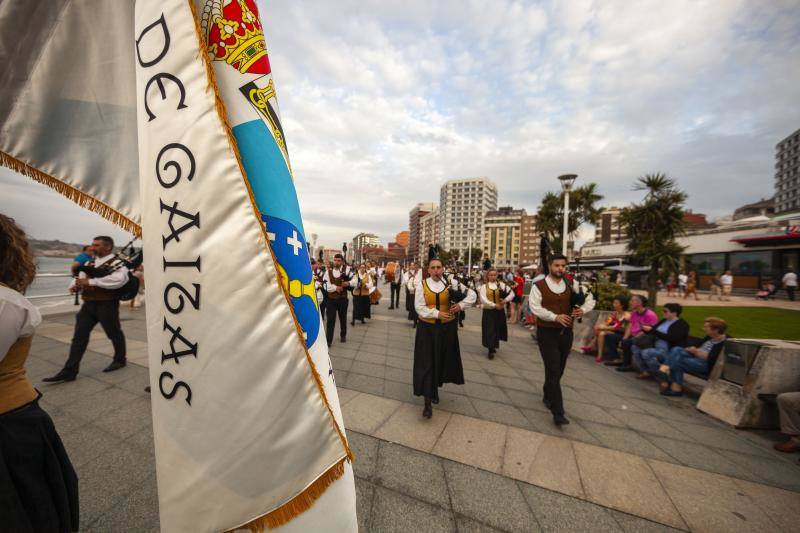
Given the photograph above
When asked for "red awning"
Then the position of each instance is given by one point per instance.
(780, 238)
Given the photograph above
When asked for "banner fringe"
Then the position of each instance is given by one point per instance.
(297, 505)
(76, 195)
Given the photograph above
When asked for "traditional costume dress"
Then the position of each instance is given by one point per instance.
(551, 297)
(437, 357)
(336, 305)
(362, 288)
(493, 323)
(38, 486)
(411, 287)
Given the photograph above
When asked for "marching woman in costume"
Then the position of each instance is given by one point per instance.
(437, 357)
(363, 287)
(411, 287)
(494, 297)
(38, 486)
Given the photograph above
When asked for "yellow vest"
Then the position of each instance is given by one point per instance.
(431, 299)
(364, 290)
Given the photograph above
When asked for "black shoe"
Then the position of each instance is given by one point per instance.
(343, 339)
(491, 354)
(560, 420)
(147, 389)
(113, 366)
(363, 321)
(625, 368)
(352, 322)
(391, 307)
(435, 401)
(58, 378)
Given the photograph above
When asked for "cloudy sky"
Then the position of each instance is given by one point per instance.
(384, 101)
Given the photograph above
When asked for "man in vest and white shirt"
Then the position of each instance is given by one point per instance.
(553, 302)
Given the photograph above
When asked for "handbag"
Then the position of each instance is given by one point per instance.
(645, 341)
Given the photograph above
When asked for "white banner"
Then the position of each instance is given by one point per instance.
(246, 419)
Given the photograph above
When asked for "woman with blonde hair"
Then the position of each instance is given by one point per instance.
(38, 486)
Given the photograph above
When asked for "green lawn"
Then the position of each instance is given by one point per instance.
(748, 322)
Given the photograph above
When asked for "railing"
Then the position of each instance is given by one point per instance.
(52, 275)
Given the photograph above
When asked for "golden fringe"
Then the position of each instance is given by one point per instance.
(297, 505)
(76, 195)
(304, 501)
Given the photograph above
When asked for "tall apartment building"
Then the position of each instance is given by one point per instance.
(787, 174)
(529, 241)
(414, 217)
(502, 235)
(608, 228)
(429, 234)
(463, 204)
(360, 241)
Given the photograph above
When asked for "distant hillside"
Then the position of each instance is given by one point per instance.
(55, 248)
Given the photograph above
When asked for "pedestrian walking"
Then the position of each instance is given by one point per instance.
(556, 305)
(100, 304)
(336, 281)
(790, 283)
(437, 357)
(38, 485)
(494, 295)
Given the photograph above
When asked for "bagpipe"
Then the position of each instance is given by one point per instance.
(128, 257)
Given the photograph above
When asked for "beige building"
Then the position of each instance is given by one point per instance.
(529, 241)
(463, 204)
(502, 236)
(608, 228)
(414, 218)
(429, 234)
(328, 253)
(360, 241)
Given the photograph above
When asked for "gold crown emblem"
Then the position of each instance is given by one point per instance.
(234, 34)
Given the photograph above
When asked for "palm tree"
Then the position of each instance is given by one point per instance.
(653, 227)
(582, 209)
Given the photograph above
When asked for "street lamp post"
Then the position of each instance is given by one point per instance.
(470, 229)
(567, 180)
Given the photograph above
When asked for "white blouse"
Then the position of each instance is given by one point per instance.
(18, 318)
(487, 303)
(438, 286)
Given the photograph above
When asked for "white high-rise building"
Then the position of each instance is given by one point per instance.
(463, 204)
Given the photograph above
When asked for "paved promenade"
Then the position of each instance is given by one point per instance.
(490, 459)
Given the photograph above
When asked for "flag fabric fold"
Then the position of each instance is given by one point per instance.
(167, 124)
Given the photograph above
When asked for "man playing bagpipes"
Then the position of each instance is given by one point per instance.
(99, 282)
(363, 286)
(336, 281)
(437, 356)
(494, 295)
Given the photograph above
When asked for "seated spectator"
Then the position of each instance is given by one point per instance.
(671, 331)
(768, 290)
(698, 360)
(789, 409)
(639, 316)
(613, 330)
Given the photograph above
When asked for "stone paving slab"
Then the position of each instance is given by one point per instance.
(535, 477)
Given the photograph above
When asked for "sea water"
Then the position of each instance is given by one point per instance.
(45, 285)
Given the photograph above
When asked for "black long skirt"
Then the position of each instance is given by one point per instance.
(412, 311)
(361, 308)
(38, 486)
(493, 328)
(437, 358)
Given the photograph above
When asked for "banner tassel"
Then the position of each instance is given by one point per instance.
(79, 197)
(297, 505)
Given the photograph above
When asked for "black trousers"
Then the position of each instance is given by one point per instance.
(394, 295)
(333, 308)
(105, 312)
(554, 345)
(627, 354)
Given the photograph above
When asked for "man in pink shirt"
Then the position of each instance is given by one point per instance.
(640, 315)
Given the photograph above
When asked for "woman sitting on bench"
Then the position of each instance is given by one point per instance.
(697, 360)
